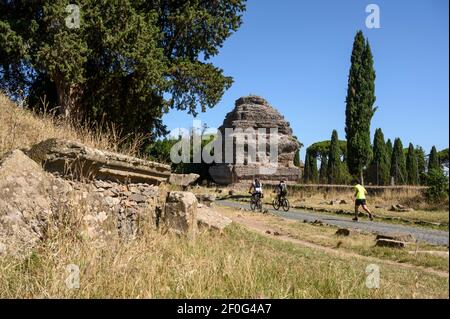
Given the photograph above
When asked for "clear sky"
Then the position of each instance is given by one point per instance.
(296, 54)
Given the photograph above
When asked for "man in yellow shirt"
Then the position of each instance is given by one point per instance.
(360, 195)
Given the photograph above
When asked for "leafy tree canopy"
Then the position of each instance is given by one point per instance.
(321, 149)
(128, 62)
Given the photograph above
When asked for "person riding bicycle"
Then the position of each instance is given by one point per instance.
(256, 188)
(281, 190)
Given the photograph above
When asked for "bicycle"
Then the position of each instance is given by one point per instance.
(255, 202)
(281, 201)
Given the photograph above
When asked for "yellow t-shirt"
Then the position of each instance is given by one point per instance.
(360, 192)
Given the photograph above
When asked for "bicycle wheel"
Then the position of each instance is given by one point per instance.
(253, 205)
(260, 206)
(286, 205)
(276, 204)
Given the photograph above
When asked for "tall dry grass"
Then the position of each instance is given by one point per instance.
(238, 265)
(21, 128)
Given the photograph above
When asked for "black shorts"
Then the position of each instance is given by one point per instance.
(282, 193)
(360, 202)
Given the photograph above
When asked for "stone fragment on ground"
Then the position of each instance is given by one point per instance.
(400, 208)
(183, 180)
(211, 219)
(389, 243)
(180, 214)
(397, 236)
(343, 232)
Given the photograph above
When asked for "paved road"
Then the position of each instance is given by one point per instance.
(431, 236)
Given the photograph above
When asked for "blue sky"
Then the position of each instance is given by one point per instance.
(296, 54)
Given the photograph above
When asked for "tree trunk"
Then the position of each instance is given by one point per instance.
(361, 174)
(68, 98)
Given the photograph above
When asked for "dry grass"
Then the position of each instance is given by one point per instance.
(21, 128)
(240, 264)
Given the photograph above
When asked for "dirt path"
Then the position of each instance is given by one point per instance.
(264, 228)
(431, 236)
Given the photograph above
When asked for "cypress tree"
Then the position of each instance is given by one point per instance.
(379, 171)
(334, 160)
(314, 171)
(306, 173)
(297, 159)
(297, 153)
(359, 106)
(433, 159)
(421, 164)
(398, 163)
(311, 172)
(411, 166)
(323, 177)
(389, 148)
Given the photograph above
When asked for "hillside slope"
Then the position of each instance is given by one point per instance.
(21, 128)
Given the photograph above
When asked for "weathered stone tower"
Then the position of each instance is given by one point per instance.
(253, 113)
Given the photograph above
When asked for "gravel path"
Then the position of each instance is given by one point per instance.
(431, 236)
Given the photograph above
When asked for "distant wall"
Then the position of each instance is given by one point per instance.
(325, 188)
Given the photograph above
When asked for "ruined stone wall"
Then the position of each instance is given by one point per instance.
(255, 113)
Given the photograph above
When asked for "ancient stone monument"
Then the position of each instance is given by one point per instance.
(253, 113)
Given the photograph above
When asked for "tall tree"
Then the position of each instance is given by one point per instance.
(323, 176)
(433, 159)
(360, 106)
(379, 170)
(398, 163)
(443, 157)
(126, 61)
(297, 153)
(334, 170)
(306, 169)
(411, 166)
(421, 164)
(389, 148)
(311, 174)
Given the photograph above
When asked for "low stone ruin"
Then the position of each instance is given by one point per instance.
(113, 194)
(72, 159)
(183, 180)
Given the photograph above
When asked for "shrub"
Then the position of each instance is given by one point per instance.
(437, 184)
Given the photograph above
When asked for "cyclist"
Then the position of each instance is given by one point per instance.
(281, 191)
(256, 188)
